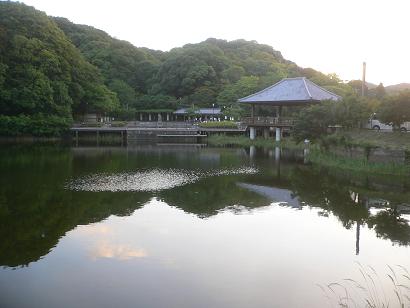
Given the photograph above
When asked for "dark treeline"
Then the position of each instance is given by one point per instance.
(52, 70)
(213, 71)
(44, 78)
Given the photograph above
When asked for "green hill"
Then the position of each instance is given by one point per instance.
(397, 88)
(42, 74)
(52, 69)
(213, 71)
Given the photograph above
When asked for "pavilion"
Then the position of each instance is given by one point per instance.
(288, 92)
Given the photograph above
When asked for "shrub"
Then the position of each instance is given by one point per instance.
(215, 124)
(118, 123)
(92, 124)
(37, 125)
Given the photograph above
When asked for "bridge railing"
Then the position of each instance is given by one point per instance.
(268, 121)
(163, 124)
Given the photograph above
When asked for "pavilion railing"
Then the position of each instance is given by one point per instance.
(268, 121)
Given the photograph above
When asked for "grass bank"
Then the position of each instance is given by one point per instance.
(331, 160)
(317, 156)
(222, 140)
(371, 139)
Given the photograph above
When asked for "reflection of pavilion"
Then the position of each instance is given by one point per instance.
(280, 195)
(386, 221)
(288, 198)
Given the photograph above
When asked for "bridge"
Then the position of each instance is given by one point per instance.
(152, 131)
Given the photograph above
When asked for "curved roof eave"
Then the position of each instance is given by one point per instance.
(282, 103)
(298, 90)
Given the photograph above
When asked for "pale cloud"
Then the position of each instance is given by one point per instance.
(331, 36)
(95, 229)
(106, 249)
(103, 242)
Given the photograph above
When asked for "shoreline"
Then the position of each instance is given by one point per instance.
(337, 156)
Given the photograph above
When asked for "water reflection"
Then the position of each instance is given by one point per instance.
(105, 249)
(36, 209)
(149, 180)
(350, 198)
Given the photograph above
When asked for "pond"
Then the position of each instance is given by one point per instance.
(196, 226)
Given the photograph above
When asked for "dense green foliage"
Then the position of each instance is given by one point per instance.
(41, 72)
(36, 125)
(127, 70)
(395, 110)
(314, 121)
(216, 124)
(213, 71)
(52, 67)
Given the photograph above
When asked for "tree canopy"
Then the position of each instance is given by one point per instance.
(41, 71)
(395, 110)
(53, 67)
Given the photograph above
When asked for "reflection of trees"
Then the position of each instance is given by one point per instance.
(36, 210)
(33, 224)
(389, 225)
(320, 188)
(346, 199)
(208, 196)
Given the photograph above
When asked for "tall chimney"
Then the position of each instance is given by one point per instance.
(364, 78)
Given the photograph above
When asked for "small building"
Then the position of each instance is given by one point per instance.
(200, 114)
(288, 92)
(155, 115)
(92, 118)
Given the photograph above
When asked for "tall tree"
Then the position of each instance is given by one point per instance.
(395, 110)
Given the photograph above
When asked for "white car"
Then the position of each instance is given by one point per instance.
(375, 124)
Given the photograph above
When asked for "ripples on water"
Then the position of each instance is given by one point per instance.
(149, 180)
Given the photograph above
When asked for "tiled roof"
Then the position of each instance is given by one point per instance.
(201, 111)
(291, 90)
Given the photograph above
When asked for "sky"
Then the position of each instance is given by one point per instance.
(332, 36)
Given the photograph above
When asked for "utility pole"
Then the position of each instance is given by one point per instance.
(364, 78)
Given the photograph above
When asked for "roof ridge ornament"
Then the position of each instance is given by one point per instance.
(307, 89)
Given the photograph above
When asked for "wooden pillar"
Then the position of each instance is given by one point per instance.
(252, 111)
(357, 238)
(252, 133)
(252, 151)
(149, 116)
(277, 161)
(266, 133)
(278, 134)
(167, 116)
(277, 154)
(306, 152)
(141, 116)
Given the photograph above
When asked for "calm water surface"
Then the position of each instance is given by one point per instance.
(189, 226)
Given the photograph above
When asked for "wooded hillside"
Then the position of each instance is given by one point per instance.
(51, 68)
